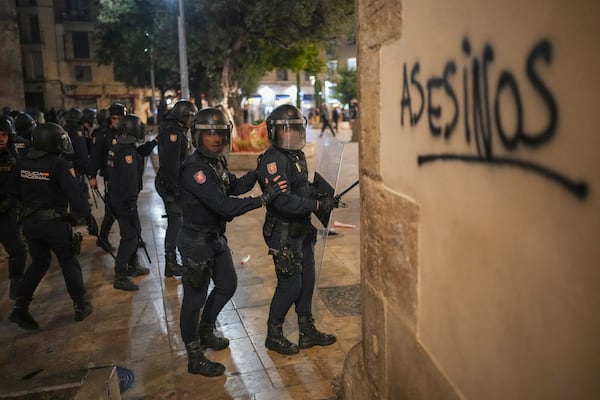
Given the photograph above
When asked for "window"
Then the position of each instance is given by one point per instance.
(282, 75)
(78, 9)
(307, 76)
(34, 29)
(83, 73)
(81, 44)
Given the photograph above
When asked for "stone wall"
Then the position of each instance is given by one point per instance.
(11, 79)
(478, 169)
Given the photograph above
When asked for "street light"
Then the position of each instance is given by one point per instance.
(183, 66)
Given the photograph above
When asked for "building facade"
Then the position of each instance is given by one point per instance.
(56, 41)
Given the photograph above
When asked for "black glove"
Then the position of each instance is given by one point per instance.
(146, 149)
(92, 226)
(271, 191)
(326, 204)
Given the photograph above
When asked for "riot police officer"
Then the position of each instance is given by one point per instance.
(173, 147)
(74, 128)
(124, 168)
(104, 138)
(88, 119)
(206, 187)
(288, 231)
(24, 125)
(9, 231)
(47, 188)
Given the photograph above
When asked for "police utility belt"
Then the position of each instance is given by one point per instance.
(45, 214)
(200, 236)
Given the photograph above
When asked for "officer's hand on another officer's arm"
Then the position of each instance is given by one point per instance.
(273, 189)
(92, 226)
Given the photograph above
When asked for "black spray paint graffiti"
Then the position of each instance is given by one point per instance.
(477, 113)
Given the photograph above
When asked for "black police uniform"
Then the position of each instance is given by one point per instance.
(289, 233)
(48, 187)
(124, 169)
(9, 230)
(291, 239)
(104, 138)
(22, 145)
(80, 157)
(172, 150)
(206, 186)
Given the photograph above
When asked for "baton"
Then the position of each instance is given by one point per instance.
(349, 188)
(338, 196)
(140, 240)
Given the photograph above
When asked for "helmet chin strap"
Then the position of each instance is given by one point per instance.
(210, 154)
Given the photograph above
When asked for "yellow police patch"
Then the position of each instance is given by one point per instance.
(272, 168)
(129, 159)
(173, 137)
(200, 177)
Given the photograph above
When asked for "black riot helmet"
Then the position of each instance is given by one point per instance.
(74, 115)
(286, 127)
(183, 111)
(130, 129)
(211, 121)
(7, 125)
(101, 116)
(51, 138)
(24, 125)
(89, 116)
(117, 109)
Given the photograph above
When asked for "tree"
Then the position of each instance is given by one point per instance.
(346, 88)
(300, 57)
(231, 44)
(126, 29)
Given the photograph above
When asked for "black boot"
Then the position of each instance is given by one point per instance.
(199, 364)
(104, 244)
(123, 282)
(208, 339)
(135, 269)
(14, 288)
(277, 342)
(311, 336)
(82, 309)
(171, 266)
(20, 315)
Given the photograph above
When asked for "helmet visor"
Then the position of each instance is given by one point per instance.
(290, 137)
(66, 145)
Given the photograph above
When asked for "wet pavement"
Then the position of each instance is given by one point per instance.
(140, 330)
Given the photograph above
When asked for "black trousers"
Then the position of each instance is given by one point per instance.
(222, 271)
(129, 228)
(174, 222)
(10, 239)
(44, 237)
(296, 289)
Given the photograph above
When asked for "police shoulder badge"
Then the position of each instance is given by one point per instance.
(200, 177)
(129, 159)
(272, 168)
(173, 137)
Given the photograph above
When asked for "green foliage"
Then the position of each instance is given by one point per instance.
(231, 44)
(346, 88)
